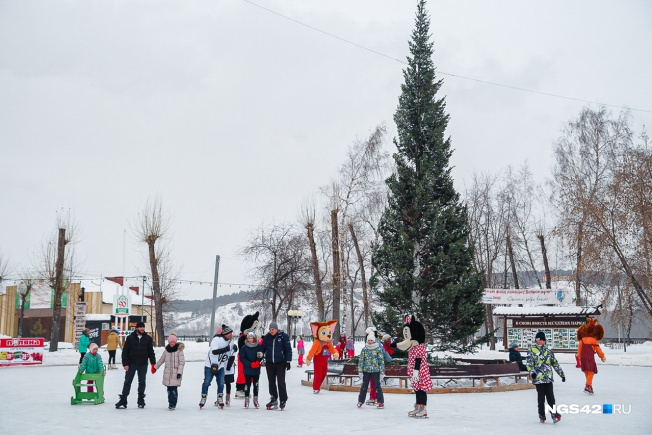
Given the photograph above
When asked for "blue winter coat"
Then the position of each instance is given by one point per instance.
(247, 356)
(277, 348)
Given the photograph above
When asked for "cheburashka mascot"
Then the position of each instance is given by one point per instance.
(414, 338)
(249, 323)
(322, 345)
(588, 336)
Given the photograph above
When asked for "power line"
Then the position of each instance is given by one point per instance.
(516, 88)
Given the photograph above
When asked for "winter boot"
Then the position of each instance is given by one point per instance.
(422, 412)
(220, 401)
(555, 417)
(246, 402)
(414, 411)
(256, 404)
(122, 403)
(282, 405)
(542, 418)
(272, 404)
(141, 400)
(228, 400)
(202, 402)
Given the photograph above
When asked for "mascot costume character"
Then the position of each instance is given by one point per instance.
(414, 337)
(322, 345)
(588, 336)
(249, 323)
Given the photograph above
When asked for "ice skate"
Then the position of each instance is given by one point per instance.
(141, 400)
(227, 402)
(246, 402)
(202, 402)
(315, 391)
(122, 403)
(381, 406)
(370, 402)
(256, 404)
(359, 404)
(414, 411)
(555, 417)
(220, 401)
(542, 418)
(282, 405)
(272, 404)
(422, 412)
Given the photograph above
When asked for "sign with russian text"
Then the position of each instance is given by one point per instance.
(527, 297)
(121, 306)
(21, 351)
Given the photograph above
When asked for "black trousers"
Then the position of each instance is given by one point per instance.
(544, 392)
(276, 374)
(141, 369)
(249, 381)
(112, 357)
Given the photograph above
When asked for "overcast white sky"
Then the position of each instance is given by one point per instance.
(235, 115)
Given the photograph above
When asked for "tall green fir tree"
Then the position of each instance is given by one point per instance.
(424, 264)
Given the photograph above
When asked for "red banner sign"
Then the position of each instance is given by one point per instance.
(21, 351)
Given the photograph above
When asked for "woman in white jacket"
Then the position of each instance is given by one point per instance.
(174, 361)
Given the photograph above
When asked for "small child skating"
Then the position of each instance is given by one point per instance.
(174, 361)
(350, 347)
(371, 364)
(540, 363)
(251, 367)
(91, 364)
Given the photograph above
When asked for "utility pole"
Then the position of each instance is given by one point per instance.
(217, 271)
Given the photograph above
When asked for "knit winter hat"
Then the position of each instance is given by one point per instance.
(140, 325)
(92, 346)
(251, 334)
(370, 329)
(540, 336)
(273, 325)
(513, 345)
(371, 336)
(172, 338)
(386, 337)
(226, 330)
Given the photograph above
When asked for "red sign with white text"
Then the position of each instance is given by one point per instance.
(21, 351)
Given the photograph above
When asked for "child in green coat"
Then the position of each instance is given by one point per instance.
(371, 364)
(92, 364)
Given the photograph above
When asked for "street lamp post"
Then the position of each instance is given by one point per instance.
(294, 316)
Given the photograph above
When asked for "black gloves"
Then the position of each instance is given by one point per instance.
(288, 366)
(178, 375)
(563, 378)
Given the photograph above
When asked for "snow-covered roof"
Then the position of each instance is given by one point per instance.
(544, 310)
(109, 289)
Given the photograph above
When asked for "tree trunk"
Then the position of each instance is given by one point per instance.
(544, 253)
(512, 263)
(159, 338)
(490, 327)
(363, 278)
(315, 272)
(336, 270)
(578, 265)
(58, 290)
(22, 316)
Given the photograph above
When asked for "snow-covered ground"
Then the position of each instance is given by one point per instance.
(37, 401)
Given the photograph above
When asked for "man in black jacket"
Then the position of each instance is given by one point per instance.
(138, 348)
(277, 350)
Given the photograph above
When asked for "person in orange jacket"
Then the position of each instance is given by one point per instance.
(588, 336)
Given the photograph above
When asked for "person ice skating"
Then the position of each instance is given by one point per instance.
(350, 347)
(321, 349)
(301, 350)
(372, 386)
(229, 372)
(588, 336)
(414, 337)
(174, 361)
(515, 356)
(540, 363)
(251, 367)
(91, 364)
(137, 350)
(342, 343)
(371, 364)
(215, 364)
(387, 344)
(249, 323)
(278, 358)
(84, 341)
(112, 343)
